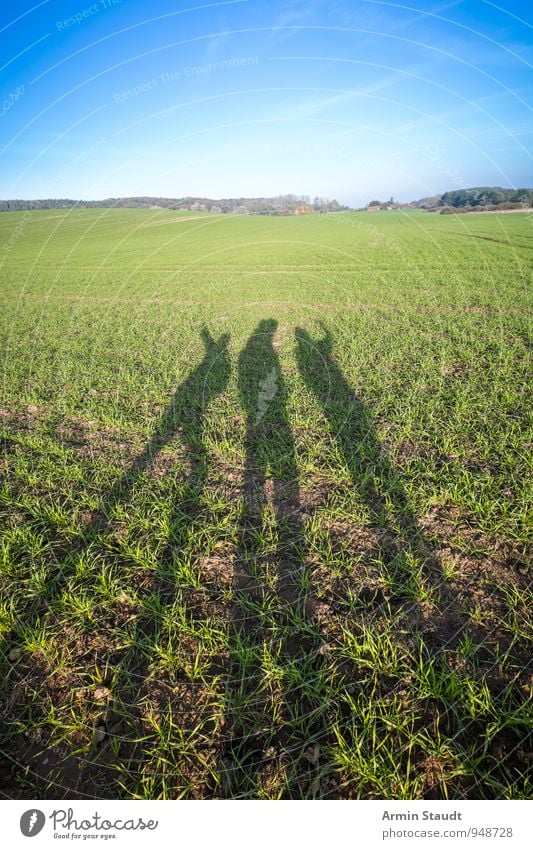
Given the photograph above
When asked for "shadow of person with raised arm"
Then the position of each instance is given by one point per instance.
(183, 418)
(267, 633)
(139, 691)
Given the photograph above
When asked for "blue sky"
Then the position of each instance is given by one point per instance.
(353, 99)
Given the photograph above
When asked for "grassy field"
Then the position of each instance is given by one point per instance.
(264, 503)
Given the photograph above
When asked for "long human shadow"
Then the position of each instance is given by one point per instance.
(414, 569)
(269, 440)
(401, 541)
(184, 415)
(261, 725)
(411, 562)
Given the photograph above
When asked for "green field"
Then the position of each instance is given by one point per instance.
(264, 505)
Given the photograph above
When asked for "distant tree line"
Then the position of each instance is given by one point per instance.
(483, 197)
(486, 196)
(279, 205)
(462, 200)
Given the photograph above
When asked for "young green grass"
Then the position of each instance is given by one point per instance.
(265, 506)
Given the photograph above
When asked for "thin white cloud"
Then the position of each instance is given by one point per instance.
(322, 103)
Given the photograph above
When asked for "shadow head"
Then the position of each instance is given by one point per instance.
(267, 327)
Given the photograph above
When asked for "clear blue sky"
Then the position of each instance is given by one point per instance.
(353, 99)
